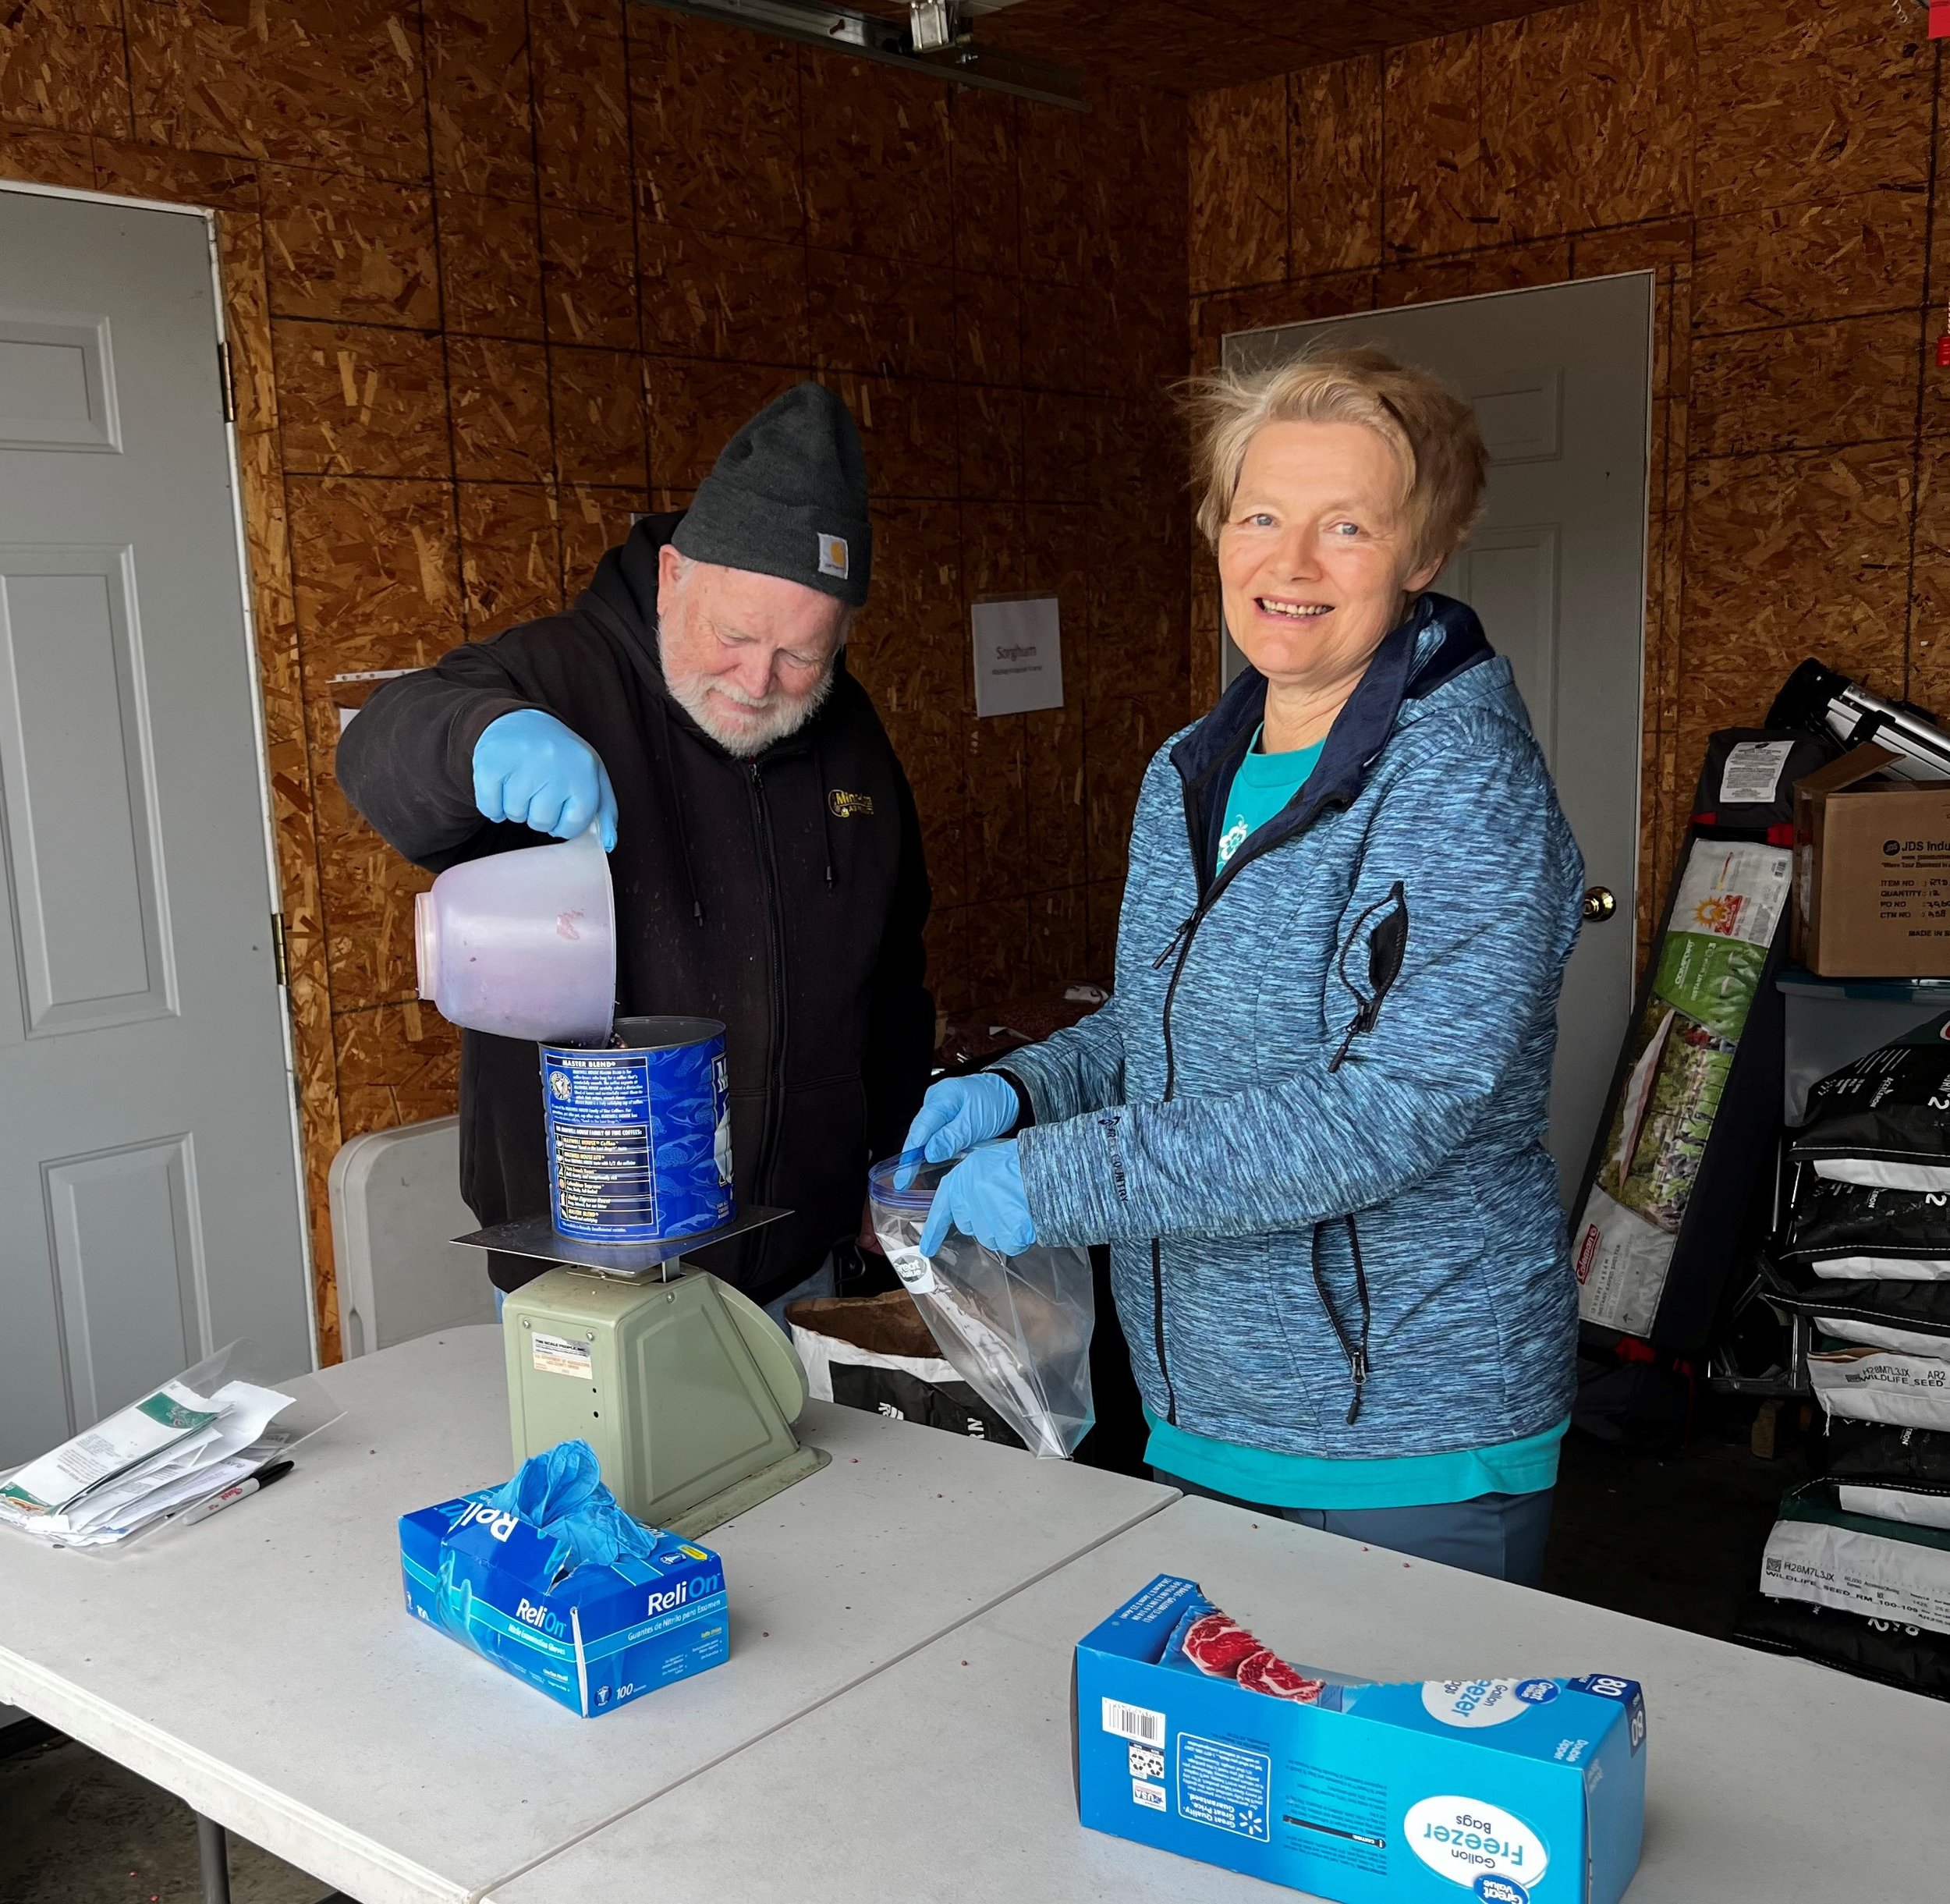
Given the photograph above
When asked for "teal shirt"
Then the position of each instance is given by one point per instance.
(1262, 786)
(1519, 1467)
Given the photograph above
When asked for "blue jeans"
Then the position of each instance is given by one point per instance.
(1500, 1535)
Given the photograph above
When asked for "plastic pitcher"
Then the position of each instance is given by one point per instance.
(523, 943)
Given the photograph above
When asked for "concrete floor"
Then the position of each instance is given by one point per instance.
(1677, 1541)
(76, 1828)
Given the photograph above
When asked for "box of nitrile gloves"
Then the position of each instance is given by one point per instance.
(1192, 1737)
(592, 1638)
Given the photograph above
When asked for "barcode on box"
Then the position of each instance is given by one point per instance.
(1138, 1722)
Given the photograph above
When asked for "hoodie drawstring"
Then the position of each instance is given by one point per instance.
(676, 809)
(825, 807)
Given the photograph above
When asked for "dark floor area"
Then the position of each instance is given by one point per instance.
(1676, 1539)
(77, 1829)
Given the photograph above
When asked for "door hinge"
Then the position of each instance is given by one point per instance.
(280, 953)
(224, 379)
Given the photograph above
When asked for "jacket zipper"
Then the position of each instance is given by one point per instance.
(1182, 940)
(775, 1067)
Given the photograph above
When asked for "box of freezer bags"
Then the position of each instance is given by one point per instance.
(546, 1577)
(1192, 1737)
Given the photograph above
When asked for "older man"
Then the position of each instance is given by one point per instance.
(694, 706)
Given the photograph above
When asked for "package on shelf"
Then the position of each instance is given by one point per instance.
(1880, 1500)
(1730, 897)
(1854, 1232)
(1880, 1121)
(1871, 1383)
(1876, 1451)
(1823, 1554)
(1510, 1791)
(1893, 1651)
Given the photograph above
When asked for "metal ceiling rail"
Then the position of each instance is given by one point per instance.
(891, 44)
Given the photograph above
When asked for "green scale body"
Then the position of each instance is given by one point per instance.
(686, 1390)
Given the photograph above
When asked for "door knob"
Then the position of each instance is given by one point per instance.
(1599, 903)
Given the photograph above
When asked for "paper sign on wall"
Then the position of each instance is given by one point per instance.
(1018, 655)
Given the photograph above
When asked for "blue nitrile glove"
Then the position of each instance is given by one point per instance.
(983, 1196)
(560, 1492)
(959, 1113)
(531, 769)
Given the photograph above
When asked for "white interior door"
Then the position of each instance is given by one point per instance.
(1561, 379)
(149, 1199)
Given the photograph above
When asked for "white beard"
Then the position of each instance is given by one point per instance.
(701, 697)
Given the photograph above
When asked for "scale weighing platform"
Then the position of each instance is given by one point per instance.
(685, 1387)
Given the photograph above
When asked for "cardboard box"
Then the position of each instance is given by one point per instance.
(1871, 871)
(594, 1640)
(1507, 1791)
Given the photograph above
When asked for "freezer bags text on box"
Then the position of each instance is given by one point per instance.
(594, 1640)
(1508, 1791)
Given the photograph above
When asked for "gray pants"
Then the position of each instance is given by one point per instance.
(1500, 1535)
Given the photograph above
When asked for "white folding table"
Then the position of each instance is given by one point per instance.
(946, 1779)
(262, 1666)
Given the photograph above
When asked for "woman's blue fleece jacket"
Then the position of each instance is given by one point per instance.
(1358, 1258)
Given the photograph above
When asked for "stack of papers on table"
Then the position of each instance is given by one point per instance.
(177, 1447)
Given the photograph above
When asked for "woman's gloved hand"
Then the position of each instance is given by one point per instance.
(983, 1196)
(959, 1113)
(529, 769)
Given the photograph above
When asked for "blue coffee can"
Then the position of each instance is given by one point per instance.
(639, 1133)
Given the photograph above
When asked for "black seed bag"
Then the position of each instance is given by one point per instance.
(1919, 1308)
(1909, 1656)
(1876, 1453)
(1885, 1120)
(1830, 1219)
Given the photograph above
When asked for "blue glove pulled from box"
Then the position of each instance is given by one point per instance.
(587, 1605)
(560, 1494)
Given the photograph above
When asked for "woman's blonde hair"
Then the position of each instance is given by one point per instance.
(1432, 432)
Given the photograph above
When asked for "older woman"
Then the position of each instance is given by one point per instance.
(1309, 1121)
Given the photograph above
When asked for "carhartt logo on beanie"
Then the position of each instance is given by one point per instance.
(788, 496)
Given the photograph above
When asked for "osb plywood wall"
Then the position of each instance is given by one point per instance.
(500, 274)
(1776, 165)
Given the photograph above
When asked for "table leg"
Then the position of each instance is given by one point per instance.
(213, 1853)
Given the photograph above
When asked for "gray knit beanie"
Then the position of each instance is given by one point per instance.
(787, 496)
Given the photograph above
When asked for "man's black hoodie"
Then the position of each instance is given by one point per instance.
(784, 895)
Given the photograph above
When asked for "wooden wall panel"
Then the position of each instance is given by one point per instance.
(1237, 180)
(500, 273)
(1772, 166)
(1335, 153)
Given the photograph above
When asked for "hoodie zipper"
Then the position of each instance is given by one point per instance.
(1181, 940)
(775, 1066)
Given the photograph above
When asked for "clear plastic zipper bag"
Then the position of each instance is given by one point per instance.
(1016, 1328)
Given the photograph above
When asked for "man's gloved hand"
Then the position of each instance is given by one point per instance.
(982, 1196)
(531, 770)
(959, 1113)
